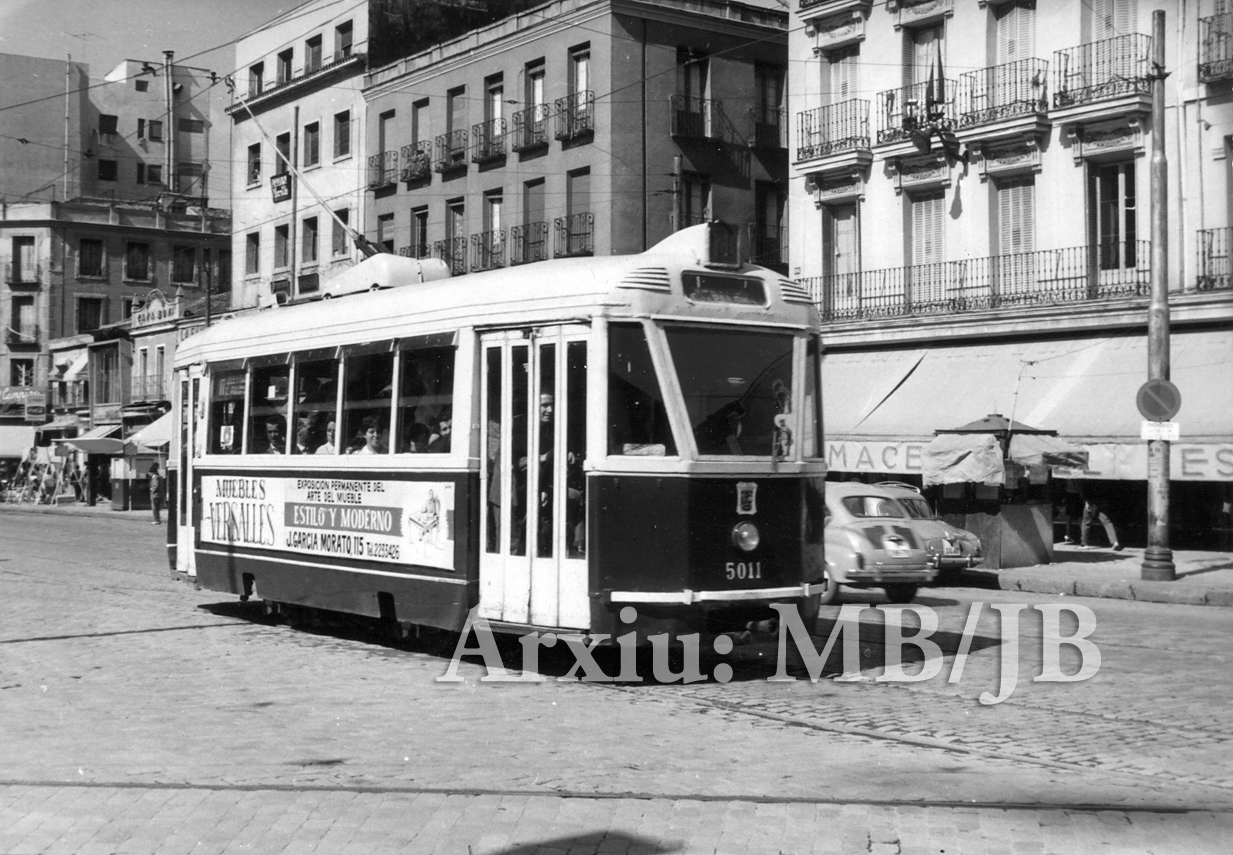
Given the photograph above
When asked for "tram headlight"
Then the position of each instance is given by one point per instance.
(745, 536)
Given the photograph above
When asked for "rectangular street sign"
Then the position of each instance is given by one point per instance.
(1168, 431)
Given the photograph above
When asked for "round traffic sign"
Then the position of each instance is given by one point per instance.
(1159, 400)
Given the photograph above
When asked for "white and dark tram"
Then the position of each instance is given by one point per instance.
(549, 443)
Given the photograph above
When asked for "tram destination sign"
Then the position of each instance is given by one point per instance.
(390, 522)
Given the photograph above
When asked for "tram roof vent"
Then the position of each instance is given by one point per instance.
(648, 278)
(794, 292)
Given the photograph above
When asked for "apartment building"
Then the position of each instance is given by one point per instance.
(971, 203)
(581, 128)
(298, 107)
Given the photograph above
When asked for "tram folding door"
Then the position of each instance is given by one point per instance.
(191, 421)
(533, 567)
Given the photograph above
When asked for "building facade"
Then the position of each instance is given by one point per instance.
(579, 128)
(298, 107)
(971, 205)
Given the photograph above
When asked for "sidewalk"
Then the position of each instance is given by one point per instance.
(1204, 578)
(68, 507)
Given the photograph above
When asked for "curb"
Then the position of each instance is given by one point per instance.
(72, 513)
(1139, 591)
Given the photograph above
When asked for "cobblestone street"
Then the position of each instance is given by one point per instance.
(141, 715)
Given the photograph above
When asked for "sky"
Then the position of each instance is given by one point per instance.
(103, 33)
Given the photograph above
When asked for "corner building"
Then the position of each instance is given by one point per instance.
(582, 128)
(970, 206)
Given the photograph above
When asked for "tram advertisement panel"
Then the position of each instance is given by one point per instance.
(394, 522)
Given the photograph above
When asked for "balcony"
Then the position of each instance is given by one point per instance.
(825, 131)
(416, 162)
(530, 128)
(1114, 69)
(1216, 48)
(528, 243)
(451, 151)
(768, 129)
(903, 110)
(453, 251)
(575, 235)
(488, 250)
(382, 170)
(1006, 93)
(575, 115)
(149, 388)
(1042, 278)
(488, 141)
(23, 336)
(1215, 270)
(696, 118)
(768, 246)
(18, 274)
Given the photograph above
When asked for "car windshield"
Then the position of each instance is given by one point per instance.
(917, 507)
(735, 382)
(872, 506)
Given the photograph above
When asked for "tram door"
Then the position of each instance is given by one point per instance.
(190, 422)
(533, 559)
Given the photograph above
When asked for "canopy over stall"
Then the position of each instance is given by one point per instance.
(156, 435)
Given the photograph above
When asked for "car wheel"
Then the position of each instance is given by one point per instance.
(900, 594)
(327, 296)
(831, 593)
(374, 287)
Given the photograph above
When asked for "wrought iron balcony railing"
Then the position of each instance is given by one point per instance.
(416, 161)
(768, 128)
(416, 250)
(1003, 91)
(824, 131)
(696, 118)
(575, 235)
(1098, 71)
(768, 245)
(1216, 48)
(903, 110)
(1043, 277)
(453, 251)
(382, 169)
(451, 151)
(1215, 269)
(528, 243)
(488, 141)
(488, 250)
(530, 128)
(16, 273)
(575, 115)
(148, 388)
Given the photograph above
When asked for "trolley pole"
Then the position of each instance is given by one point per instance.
(1158, 557)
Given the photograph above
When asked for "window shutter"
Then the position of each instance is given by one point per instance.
(927, 222)
(909, 57)
(828, 241)
(1016, 216)
(1125, 17)
(843, 68)
(1016, 30)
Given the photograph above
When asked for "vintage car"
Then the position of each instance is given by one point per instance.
(949, 547)
(871, 543)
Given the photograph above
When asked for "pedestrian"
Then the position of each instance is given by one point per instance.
(156, 494)
(1095, 510)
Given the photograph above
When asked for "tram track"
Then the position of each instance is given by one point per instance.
(634, 795)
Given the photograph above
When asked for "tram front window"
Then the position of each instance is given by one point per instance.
(734, 383)
(637, 419)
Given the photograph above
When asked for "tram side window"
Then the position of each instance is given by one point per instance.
(367, 403)
(226, 412)
(637, 418)
(426, 401)
(267, 410)
(316, 405)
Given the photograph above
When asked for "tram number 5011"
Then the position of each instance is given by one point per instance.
(744, 570)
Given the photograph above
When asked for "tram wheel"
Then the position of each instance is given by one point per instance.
(900, 594)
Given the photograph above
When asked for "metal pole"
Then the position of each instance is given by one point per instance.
(1158, 558)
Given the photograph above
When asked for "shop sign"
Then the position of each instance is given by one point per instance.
(36, 407)
(904, 457)
(388, 522)
(106, 414)
(157, 310)
(13, 401)
(1188, 461)
(280, 187)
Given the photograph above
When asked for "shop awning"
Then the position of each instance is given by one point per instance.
(15, 440)
(154, 435)
(881, 408)
(1041, 450)
(101, 440)
(78, 366)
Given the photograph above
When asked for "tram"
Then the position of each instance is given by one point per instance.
(547, 444)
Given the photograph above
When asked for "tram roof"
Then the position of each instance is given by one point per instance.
(545, 292)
